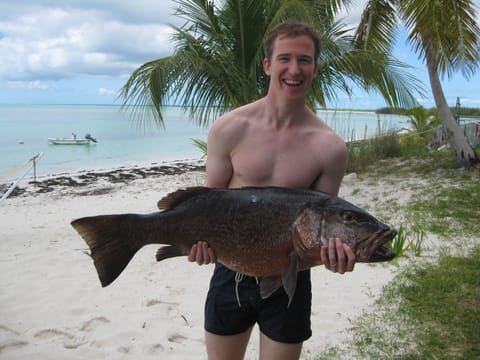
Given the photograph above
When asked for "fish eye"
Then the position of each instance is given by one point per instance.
(349, 216)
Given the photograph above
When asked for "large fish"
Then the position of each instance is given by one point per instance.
(269, 232)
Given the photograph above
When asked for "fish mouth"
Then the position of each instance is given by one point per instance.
(380, 251)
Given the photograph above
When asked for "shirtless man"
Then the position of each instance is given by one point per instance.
(274, 141)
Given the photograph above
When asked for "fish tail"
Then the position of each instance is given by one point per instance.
(111, 248)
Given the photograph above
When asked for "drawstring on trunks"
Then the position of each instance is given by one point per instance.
(238, 279)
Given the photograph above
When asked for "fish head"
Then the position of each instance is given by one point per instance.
(365, 234)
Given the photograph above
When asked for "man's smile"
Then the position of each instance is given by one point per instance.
(293, 82)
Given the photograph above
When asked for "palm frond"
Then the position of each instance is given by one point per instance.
(146, 90)
(218, 60)
(377, 26)
(453, 49)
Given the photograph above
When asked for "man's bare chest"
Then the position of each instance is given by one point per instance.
(275, 162)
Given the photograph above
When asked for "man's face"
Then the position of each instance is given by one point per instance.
(292, 67)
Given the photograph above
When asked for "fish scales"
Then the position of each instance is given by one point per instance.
(243, 230)
(271, 232)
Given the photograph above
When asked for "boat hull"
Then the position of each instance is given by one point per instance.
(65, 141)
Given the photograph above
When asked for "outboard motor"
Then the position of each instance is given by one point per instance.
(89, 137)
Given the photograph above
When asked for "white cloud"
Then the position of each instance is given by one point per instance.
(470, 102)
(30, 85)
(351, 15)
(104, 91)
(78, 38)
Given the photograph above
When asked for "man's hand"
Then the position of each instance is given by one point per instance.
(202, 253)
(337, 256)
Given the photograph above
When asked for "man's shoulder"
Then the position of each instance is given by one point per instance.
(231, 126)
(237, 118)
(247, 111)
(333, 146)
(325, 133)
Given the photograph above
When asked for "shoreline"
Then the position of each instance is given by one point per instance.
(122, 174)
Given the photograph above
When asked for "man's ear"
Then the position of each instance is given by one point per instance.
(266, 66)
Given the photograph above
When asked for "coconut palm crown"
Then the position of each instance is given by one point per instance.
(217, 62)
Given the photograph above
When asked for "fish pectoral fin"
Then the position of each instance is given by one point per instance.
(169, 251)
(288, 280)
(269, 285)
(289, 276)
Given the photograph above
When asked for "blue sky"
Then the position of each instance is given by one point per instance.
(82, 52)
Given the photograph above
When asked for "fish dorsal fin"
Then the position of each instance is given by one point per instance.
(174, 198)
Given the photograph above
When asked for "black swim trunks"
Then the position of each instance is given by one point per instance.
(225, 316)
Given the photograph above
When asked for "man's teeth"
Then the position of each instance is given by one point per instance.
(293, 82)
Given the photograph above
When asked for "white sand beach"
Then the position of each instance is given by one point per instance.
(53, 306)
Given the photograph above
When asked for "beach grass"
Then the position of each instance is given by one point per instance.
(431, 310)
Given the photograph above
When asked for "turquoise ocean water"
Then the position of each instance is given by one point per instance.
(122, 141)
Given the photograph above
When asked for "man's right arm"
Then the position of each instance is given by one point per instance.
(219, 165)
(219, 172)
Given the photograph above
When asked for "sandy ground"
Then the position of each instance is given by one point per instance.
(53, 307)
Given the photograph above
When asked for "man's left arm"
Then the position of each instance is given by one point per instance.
(337, 256)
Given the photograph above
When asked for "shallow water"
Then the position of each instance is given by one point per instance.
(122, 141)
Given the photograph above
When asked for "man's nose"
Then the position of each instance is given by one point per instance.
(294, 67)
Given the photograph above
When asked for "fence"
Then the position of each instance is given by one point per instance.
(471, 131)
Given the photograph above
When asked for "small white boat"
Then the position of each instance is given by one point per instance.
(72, 140)
(68, 141)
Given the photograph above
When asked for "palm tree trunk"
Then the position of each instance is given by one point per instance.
(462, 151)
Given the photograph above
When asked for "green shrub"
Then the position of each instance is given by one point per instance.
(364, 153)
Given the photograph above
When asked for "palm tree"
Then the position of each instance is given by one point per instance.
(423, 120)
(444, 34)
(217, 62)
